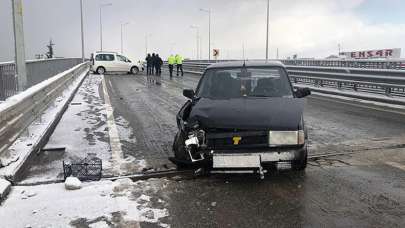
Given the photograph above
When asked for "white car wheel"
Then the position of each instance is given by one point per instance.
(100, 70)
(134, 70)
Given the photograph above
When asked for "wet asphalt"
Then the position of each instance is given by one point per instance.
(359, 190)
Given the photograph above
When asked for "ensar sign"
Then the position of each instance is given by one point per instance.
(383, 53)
(215, 52)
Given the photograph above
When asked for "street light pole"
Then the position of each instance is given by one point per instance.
(209, 31)
(19, 46)
(101, 25)
(198, 41)
(267, 31)
(122, 39)
(146, 43)
(81, 24)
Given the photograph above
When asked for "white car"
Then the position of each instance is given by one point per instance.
(103, 62)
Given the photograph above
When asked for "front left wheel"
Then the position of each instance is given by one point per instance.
(134, 70)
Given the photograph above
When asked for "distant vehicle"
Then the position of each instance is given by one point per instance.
(243, 116)
(103, 62)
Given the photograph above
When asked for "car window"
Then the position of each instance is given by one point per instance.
(121, 58)
(105, 57)
(245, 82)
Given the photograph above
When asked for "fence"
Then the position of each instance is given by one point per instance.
(37, 71)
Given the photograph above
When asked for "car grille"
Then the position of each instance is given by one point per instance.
(224, 139)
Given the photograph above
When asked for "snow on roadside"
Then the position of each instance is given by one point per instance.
(82, 131)
(127, 138)
(22, 147)
(122, 203)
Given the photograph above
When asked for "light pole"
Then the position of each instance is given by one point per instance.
(101, 24)
(198, 40)
(81, 26)
(267, 30)
(122, 39)
(19, 46)
(209, 31)
(146, 43)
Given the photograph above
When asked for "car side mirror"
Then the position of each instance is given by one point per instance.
(189, 93)
(302, 92)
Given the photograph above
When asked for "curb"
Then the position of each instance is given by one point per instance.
(5, 187)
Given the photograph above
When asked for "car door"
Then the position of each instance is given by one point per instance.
(106, 61)
(122, 64)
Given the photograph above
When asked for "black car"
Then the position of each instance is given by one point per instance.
(243, 116)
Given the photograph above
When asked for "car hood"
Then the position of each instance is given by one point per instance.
(248, 113)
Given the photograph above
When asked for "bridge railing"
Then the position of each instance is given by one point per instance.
(20, 110)
(383, 85)
(37, 71)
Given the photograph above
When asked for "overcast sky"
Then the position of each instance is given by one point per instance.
(309, 28)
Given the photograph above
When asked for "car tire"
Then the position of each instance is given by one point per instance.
(179, 149)
(100, 70)
(301, 164)
(134, 70)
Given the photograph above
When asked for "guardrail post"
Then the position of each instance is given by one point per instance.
(388, 91)
(355, 87)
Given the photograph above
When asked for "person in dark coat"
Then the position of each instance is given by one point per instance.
(159, 63)
(154, 61)
(148, 60)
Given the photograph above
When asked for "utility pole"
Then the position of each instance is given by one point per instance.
(101, 25)
(277, 54)
(339, 49)
(81, 26)
(209, 31)
(19, 46)
(243, 51)
(198, 56)
(147, 35)
(122, 39)
(267, 31)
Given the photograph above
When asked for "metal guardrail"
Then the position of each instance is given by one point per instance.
(384, 85)
(20, 110)
(37, 71)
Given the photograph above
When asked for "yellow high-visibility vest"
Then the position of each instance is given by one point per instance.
(171, 60)
(179, 59)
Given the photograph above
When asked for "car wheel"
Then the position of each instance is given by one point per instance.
(100, 70)
(134, 70)
(300, 164)
(179, 149)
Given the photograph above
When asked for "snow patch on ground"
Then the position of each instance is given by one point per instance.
(127, 137)
(122, 203)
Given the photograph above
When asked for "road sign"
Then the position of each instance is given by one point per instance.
(215, 52)
(371, 54)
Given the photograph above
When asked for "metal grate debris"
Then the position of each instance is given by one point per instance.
(87, 169)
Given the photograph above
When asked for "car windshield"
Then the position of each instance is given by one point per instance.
(244, 82)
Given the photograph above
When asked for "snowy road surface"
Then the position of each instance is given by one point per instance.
(364, 189)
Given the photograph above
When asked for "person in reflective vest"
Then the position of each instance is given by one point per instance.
(179, 63)
(171, 61)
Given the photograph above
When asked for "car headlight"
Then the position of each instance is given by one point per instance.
(286, 138)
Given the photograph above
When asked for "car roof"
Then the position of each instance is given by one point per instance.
(231, 64)
(105, 52)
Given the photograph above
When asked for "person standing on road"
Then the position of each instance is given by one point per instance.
(148, 60)
(153, 58)
(171, 61)
(159, 63)
(179, 63)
